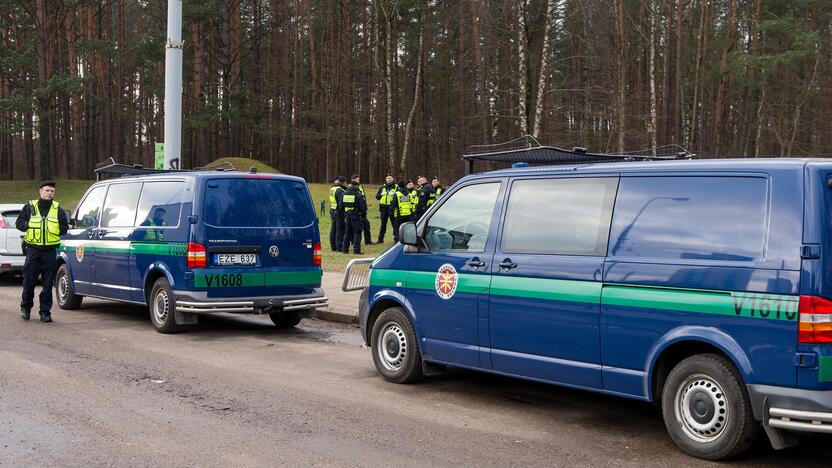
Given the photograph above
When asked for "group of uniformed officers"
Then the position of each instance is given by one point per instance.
(398, 203)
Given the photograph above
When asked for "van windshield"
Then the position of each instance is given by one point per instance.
(257, 203)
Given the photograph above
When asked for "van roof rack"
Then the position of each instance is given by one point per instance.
(528, 150)
(110, 166)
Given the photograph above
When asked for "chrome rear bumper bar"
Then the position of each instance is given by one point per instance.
(806, 421)
(313, 303)
(249, 307)
(197, 307)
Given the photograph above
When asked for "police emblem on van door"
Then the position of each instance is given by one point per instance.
(79, 253)
(446, 281)
(274, 251)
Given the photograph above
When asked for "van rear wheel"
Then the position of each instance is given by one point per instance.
(67, 299)
(706, 409)
(285, 319)
(395, 347)
(162, 305)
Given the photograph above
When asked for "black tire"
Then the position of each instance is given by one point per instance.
(162, 304)
(67, 299)
(395, 347)
(706, 408)
(286, 319)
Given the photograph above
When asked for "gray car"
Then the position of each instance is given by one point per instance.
(11, 254)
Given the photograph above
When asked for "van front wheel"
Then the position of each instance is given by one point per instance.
(395, 347)
(706, 409)
(162, 304)
(67, 299)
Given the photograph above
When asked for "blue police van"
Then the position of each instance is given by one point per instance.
(702, 286)
(186, 243)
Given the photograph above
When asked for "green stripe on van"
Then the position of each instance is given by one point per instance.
(466, 283)
(728, 303)
(387, 278)
(544, 288)
(178, 249)
(737, 304)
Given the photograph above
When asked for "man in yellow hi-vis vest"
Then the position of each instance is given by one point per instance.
(44, 223)
(385, 196)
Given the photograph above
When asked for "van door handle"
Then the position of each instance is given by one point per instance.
(91, 233)
(102, 233)
(475, 263)
(507, 264)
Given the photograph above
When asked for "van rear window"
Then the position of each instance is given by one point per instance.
(257, 203)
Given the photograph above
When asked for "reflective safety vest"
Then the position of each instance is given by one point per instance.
(45, 232)
(349, 203)
(386, 196)
(361, 189)
(432, 197)
(155, 234)
(333, 202)
(405, 204)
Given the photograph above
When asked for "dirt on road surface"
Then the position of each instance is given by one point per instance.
(99, 387)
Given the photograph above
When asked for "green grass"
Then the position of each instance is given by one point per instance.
(335, 261)
(69, 192)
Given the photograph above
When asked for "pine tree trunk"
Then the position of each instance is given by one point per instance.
(408, 129)
(544, 67)
(622, 72)
(522, 73)
(652, 78)
(724, 79)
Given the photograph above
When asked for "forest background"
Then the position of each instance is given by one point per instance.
(319, 88)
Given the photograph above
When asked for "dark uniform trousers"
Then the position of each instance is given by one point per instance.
(368, 236)
(386, 213)
(336, 230)
(43, 262)
(398, 221)
(355, 223)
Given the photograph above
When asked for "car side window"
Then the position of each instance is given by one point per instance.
(559, 216)
(160, 204)
(120, 205)
(462, 223)
(87, 214)
(688, 218)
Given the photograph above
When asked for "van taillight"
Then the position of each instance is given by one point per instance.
(197, 257)
(316, 254)
(815, 320)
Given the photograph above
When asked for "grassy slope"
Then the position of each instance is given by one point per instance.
(69, 192)
(244, 164)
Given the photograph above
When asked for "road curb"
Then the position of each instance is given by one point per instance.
(334, 316)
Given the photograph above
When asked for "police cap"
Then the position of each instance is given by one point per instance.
(47, 183)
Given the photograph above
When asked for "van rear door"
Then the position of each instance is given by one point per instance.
(260, 233)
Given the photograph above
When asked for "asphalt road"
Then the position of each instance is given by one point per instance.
(101, 387)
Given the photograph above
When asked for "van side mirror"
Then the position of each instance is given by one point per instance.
(407, 234)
